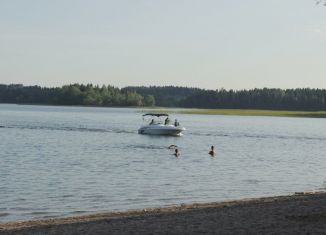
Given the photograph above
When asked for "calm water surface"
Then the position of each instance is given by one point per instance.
(64, 161)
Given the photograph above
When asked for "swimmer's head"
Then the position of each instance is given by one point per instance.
(176, 152)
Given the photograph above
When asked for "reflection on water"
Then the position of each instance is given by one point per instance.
(62, 161)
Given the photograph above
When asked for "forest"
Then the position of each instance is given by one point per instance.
(301, 99)
(74, 94)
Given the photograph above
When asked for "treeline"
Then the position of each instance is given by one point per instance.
(75, 94)
(169, 96)
(273, 99)
(165, 96)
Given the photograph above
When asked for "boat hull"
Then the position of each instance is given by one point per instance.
(161, 130)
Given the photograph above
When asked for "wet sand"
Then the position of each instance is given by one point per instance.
(302, 213)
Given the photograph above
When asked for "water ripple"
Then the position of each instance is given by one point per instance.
(4, 214)
(144, 146)
(61, 164)
(257, 136)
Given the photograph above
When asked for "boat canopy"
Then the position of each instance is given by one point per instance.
(156, 114)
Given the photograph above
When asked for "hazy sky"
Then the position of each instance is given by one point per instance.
(198, 43)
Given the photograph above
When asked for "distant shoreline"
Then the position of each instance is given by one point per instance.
(300, 99)
(300, 213)
(196, 111)
(242, 112)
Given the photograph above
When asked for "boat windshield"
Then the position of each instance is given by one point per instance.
(155, 118)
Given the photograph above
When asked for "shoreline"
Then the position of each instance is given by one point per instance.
(203, 111)
(242, 112)
(255, 215)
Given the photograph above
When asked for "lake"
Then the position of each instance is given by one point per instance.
(67, 161)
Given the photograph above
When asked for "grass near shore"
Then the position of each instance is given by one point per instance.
(240, 112)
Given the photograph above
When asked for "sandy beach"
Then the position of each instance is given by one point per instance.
(302, 213)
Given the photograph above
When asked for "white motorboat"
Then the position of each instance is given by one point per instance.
(158, 127)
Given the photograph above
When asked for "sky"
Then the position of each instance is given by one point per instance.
(209, 44)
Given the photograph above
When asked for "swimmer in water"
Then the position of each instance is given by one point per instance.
(176, 153)
(172, 146)
(212, 152)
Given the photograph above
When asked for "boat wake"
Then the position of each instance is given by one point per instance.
(141, 146)
(67, 128)
(256, 136)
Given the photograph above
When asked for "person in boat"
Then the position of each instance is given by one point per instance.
(176, 123)
(167, 121)
(212, 151)
(176, 153)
